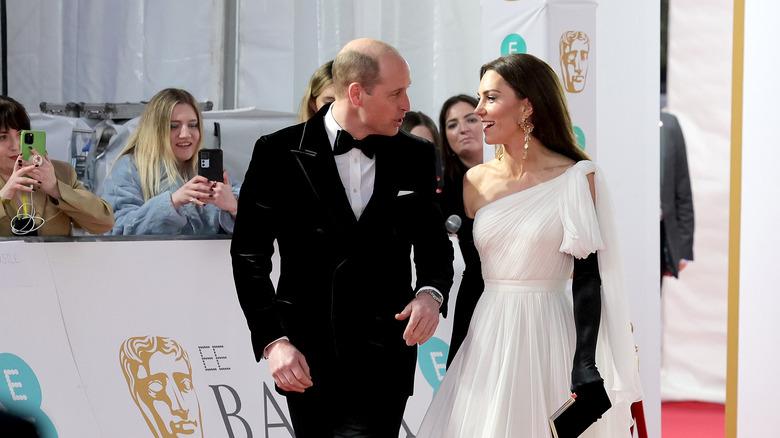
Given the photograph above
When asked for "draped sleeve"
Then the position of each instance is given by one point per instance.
(581, 233)
(588, 228)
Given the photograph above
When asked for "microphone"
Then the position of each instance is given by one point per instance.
(453, 224)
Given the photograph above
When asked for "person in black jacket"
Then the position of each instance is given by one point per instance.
(677, 222)
(461, 149)
(345, 196)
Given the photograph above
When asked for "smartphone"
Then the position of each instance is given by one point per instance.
(33, 141)
(210, 164)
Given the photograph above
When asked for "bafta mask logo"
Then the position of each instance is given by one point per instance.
(574, 49)
(159, 377)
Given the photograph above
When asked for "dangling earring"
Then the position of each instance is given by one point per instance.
(499, 151)
(527, 128)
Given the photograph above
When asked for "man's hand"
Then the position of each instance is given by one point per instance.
(423, 314)
(288, 366)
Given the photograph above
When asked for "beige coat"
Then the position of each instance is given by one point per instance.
(78, 207)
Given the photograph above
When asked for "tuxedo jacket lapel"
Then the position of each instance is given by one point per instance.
(384, 181)
(315, 157)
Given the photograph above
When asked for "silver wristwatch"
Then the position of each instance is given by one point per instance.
(436, 295)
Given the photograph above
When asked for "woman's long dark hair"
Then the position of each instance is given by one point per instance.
(531, 77)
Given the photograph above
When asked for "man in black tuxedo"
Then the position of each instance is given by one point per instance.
(346, 196)
(676, 199)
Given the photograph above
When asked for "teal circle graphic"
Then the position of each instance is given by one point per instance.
(20, 393)
(20, 388)
(432, 358)
(513, 43)
(579, 134)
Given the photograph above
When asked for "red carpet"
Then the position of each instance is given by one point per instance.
(693, 420)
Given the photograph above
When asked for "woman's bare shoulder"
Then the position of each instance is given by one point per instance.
(481, 171)
(477, 181)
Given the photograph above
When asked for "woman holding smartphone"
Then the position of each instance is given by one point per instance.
(154, 186)
(41, 197)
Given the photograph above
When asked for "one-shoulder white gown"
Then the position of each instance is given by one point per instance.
(513, 369)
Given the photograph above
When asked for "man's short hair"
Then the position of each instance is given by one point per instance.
(360, 66)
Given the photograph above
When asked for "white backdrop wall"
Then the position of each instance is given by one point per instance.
(699, 94)
(627, 125)
(758, 298)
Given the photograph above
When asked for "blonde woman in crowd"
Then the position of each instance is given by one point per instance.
(154, 186)
(319, 92)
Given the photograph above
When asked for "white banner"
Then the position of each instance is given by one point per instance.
(39, 377)
(145, 339)
(159, 339)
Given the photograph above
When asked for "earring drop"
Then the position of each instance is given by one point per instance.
(527, 128)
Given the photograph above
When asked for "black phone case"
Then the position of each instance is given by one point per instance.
(210, 164)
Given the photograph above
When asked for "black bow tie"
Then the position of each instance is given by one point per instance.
(345, 143)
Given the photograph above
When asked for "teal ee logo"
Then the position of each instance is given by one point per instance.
(513, 43)
(20, 393)
(579, 134)
(432, 357)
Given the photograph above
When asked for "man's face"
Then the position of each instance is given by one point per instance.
(574, 61)
(383, 110)
(164, 386)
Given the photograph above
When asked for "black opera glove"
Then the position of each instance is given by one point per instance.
(586, 295)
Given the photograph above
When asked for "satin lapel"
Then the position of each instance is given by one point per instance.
(315, 158)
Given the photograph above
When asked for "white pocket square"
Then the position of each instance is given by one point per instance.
(405, 192)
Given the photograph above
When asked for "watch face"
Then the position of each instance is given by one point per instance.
(434, 294)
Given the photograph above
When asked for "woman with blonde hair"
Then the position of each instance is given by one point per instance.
(154, 186)
(319, 92)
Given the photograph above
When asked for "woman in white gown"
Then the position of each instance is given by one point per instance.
(541, 211)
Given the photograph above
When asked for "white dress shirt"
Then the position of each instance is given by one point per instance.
(356, 170)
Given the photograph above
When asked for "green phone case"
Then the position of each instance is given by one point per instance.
(33, 140)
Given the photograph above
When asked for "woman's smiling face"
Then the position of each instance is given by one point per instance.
(185, 132)
(500, 110)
